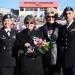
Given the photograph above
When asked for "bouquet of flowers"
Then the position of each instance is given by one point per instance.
(41, 45)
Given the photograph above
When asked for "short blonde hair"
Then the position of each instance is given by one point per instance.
(49, 11)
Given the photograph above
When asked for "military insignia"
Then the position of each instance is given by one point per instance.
(8, 16)
(3, 37)
(73, 29)
(14, 37)
(4, 47)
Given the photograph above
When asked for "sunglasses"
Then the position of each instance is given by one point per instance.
(68, 13)
(29, 23)
(50, 16)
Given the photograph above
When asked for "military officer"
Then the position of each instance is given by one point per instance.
(68, 42)
(7, 39)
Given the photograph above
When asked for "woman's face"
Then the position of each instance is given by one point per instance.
(29, 25)
(50, 18)
(7, 23)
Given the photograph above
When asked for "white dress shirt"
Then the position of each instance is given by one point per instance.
(69, 24)
(8, 31)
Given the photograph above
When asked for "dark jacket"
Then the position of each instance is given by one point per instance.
(6, 44)
(28, 64)
(68, 46)
(55, 39)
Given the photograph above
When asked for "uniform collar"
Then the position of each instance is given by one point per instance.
(70, 24)
(7, 29)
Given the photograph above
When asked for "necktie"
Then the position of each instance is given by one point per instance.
(67, 25)
(8, 32)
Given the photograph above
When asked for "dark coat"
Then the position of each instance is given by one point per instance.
(55, 38)
(68, 46)
(6, 44)
(30, 64)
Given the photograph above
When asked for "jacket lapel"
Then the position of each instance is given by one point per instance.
(5, 33)
(71, 26)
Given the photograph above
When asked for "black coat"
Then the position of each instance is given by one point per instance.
(57, 40)
(30, 64)
(6, 44)
(68, 46)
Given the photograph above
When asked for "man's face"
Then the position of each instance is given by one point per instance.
(69, 15)
(50, 18)
(7, 23)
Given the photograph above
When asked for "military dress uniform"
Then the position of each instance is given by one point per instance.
(6, 58)
(68, 48)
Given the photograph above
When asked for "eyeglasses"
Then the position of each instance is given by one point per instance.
(50, 16)
(29, 23)
(68, 13)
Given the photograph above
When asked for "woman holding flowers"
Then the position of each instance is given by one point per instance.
(50, 33)
(29, 58)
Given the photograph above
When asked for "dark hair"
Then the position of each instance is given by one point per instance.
(67, 9)
(6, 16)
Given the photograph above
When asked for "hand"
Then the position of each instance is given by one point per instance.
(30, 50)
(27, 45)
